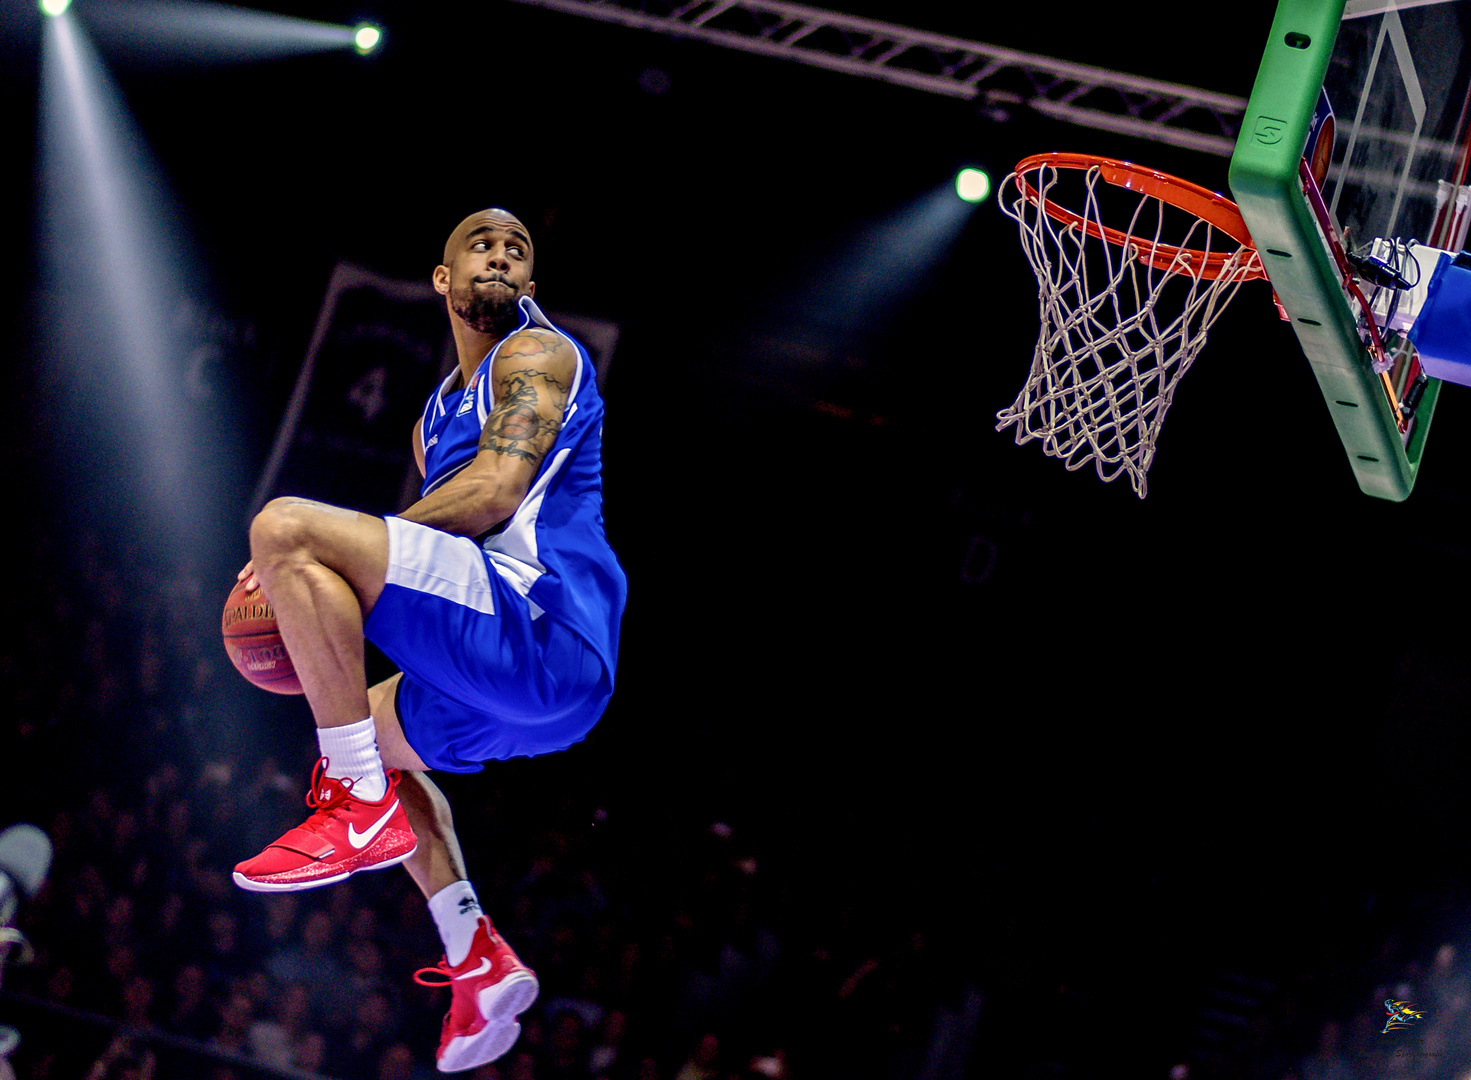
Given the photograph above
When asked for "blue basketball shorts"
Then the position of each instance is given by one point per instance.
(483, 679)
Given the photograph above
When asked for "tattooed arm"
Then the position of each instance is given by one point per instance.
(532, 375)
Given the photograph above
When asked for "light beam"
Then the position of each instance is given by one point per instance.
(112, 250)
(879, 272)
(212, 33)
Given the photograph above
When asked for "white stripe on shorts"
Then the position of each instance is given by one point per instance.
(429, 561)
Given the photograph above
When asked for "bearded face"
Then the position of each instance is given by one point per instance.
(487, 302)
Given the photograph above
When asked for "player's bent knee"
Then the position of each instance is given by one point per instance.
(286, 524)
(277, 528)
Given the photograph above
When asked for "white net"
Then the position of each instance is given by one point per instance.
(1122, 318)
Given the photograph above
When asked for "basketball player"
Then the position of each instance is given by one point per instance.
(497, 596)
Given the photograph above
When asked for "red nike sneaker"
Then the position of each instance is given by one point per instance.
(345, 834)
(490, 988)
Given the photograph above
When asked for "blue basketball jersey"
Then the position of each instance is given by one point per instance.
(553, 550)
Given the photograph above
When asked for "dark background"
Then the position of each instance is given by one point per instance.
(1108, 753)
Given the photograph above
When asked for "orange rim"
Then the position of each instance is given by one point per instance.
(1214, 209)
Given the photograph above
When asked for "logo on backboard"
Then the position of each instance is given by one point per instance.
(1401, 1014)
(1269, 130)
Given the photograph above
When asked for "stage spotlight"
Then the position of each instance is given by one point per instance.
(973, 185)
(366, 38)
(54, 7)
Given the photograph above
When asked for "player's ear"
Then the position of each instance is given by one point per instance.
(440, 278)
(531, 288)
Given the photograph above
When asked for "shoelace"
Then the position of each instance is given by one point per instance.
(442, 969)
(337, 793)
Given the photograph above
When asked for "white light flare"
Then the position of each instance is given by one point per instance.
(973, 185)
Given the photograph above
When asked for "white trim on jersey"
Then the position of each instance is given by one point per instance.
(535, 314)
(439, 482)
(435, 406)
(429, 561)
(432, 411)
(513, 550)
(485, 394)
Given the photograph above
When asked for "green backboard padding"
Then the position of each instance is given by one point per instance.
(1265, 183)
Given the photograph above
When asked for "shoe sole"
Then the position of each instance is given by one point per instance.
(486, 1045)
(502, 1003)
(251, 885)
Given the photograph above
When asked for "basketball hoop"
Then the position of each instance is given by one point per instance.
(1124, 311)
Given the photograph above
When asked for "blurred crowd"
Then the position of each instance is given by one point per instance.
(667, 945)
(154, 768)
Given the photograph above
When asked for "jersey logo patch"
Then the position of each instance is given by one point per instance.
(468, 402)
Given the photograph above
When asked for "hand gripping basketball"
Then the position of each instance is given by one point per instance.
(253, 642)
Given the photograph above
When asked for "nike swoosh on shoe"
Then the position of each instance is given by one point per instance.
(360, 840)
(485, 965)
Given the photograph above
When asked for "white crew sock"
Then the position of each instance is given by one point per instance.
(456, 913)
(352, 754)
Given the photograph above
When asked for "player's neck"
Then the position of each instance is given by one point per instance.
(471, 347)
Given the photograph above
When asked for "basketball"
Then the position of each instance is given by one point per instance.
(254, 644)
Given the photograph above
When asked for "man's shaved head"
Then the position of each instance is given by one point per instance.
(494, 217)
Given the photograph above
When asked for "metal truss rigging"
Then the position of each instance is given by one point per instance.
(1000, 80)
